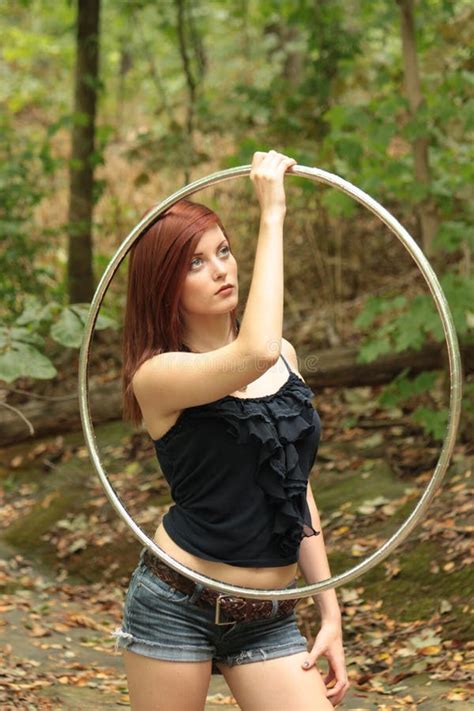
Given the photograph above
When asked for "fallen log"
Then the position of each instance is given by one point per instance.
(330, 368)
(339, 367)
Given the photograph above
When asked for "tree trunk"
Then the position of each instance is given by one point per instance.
(81, 172)
(332, 368)
(126, 63)
(190, 82)
(426, 209)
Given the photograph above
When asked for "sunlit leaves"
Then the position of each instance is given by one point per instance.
(23, 344)
(69, 327)
(19, 355)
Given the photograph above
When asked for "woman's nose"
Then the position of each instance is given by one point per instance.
(220, 268)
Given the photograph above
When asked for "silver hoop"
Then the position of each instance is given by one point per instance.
(424, 266)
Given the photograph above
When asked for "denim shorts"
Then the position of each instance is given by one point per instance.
(164, 623)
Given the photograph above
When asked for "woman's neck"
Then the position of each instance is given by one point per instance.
(194, 345)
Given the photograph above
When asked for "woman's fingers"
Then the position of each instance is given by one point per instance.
(273, 157)
(258, 156)
(288, 164)
(338, 672)
(337, 692)
(268, 165)
(270, 158)
(281, 161)
(267, 175)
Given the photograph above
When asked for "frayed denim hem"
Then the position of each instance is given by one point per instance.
(119, 634)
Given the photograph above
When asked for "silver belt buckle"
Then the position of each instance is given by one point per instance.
(218, 609)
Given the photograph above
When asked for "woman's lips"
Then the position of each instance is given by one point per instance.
(225, 291)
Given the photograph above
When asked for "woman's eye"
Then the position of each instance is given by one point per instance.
(226, 248)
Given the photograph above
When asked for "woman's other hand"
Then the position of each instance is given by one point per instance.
(328, 643)
(267, 175)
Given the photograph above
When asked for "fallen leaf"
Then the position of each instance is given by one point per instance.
(39, 631)
(445, 606)
(457, 695)
(430, 651)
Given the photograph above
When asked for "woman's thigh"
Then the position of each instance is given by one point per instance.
(167, 650)
(157, 685)
(277, 684)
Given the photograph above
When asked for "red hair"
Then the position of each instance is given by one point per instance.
(158, 265)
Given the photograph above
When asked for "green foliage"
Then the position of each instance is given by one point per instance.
(69, 327)
(23, 344)
(374, 306)
(467, 421)
(160, 150)
(399, 324)
(21, 243)
(433, 422)
(20, 355)
(301, 56)
(402, 388)
(404, 391)
(453, 234)
(37, 55)
(338, 204)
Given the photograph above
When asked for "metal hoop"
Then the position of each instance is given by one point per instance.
(410, 245)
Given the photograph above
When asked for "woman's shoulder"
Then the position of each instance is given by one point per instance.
(289, 353)
(142, 374)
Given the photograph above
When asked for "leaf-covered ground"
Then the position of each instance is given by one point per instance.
(406, 622)
(57, 653)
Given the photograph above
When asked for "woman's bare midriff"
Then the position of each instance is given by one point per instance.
(259, 578)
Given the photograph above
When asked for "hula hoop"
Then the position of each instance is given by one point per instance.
(319, 176)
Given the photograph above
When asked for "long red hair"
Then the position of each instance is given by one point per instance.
(158, 264)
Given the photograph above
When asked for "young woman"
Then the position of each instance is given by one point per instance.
(236, 435)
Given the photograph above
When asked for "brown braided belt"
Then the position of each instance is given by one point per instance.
(239, 609)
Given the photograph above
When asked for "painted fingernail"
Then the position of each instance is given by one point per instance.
(306, 664)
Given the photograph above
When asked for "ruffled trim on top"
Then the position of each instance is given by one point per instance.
(286, 417)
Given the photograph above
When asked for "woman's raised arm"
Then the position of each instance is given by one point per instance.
(172, 381)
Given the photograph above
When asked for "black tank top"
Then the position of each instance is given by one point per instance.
(238, 471)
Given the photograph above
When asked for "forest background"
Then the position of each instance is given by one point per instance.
(107, 108)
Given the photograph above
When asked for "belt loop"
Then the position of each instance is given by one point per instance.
(198, 587)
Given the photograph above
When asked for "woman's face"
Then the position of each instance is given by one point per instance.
(211, 266)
